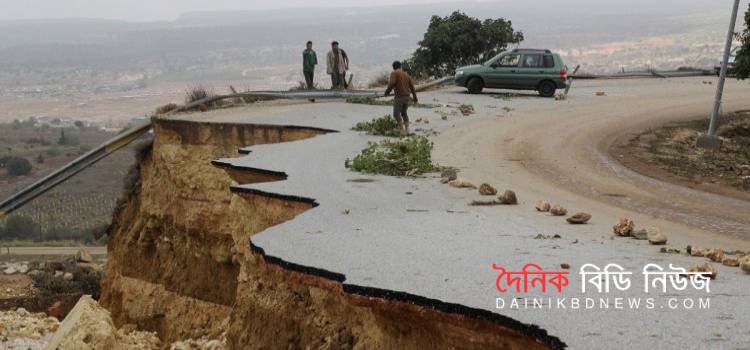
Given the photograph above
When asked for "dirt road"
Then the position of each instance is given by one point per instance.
(558, 151)
(41, 251)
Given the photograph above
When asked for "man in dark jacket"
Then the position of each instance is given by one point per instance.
(309, 61)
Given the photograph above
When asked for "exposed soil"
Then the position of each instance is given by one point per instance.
(670, 153)
(180, 263)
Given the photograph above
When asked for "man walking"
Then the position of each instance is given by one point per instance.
(337, 64)
(309, 61)
(401, 83)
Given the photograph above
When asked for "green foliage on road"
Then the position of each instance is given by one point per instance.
(459, 40)
(742, 61)
(408, 157)
(383, 126)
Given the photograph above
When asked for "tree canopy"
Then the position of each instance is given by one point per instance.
(742, 61)
(458, 40)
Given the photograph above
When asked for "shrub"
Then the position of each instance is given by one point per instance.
(197, 93)
(383, 126)
(407, 157)
(166, 108)
(85, 281)
(18, 166)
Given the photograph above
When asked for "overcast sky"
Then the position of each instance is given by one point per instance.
(150, 10)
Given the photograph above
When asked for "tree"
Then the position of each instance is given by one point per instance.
(742, 60)
(62, 140)
(67, 140)
(18, 166)
(458, 40)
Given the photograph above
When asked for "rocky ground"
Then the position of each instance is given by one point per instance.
(672, 149)
(88, 326)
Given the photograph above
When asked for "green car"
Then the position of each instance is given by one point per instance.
(520, 69)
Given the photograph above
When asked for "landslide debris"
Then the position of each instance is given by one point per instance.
(411, 156)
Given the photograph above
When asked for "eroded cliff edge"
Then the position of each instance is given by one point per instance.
(181, 262)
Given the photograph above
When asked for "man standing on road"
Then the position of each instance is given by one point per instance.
(401, 83)
(337, 63)
(309, 61)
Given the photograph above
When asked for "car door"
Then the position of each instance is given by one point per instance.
(502, 72)
(536, 67)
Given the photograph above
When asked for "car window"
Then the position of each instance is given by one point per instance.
(549, 61)
(532, 61)
(509, 61)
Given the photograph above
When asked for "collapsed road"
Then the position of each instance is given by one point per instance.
(257, 200)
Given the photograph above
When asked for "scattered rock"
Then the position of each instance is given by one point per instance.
(508, 197)
(745, 264)
(487, 190)
(624, 227)
(461, 183)
(579, 218)
(345, 212)
(641, 234)
(565, 266)
(67, 276)
(666, 250)
(705, 267)
(696, 251)
(655, 237)
(731, 260)
(557, 210)
(542, 206)
(601, 93)
(716, 255)
(89, 326)
(83, 256)
(23, 330)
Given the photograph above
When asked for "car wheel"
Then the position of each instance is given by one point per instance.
(475, 86)
(547, 89)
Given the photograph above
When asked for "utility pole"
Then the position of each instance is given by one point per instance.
(710, 140)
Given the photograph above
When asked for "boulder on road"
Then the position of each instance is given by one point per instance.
(557, 210)
(624, 227)
(508, 197)
(579, 218)
(655, 237)
(543, 206)
(487, 190)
